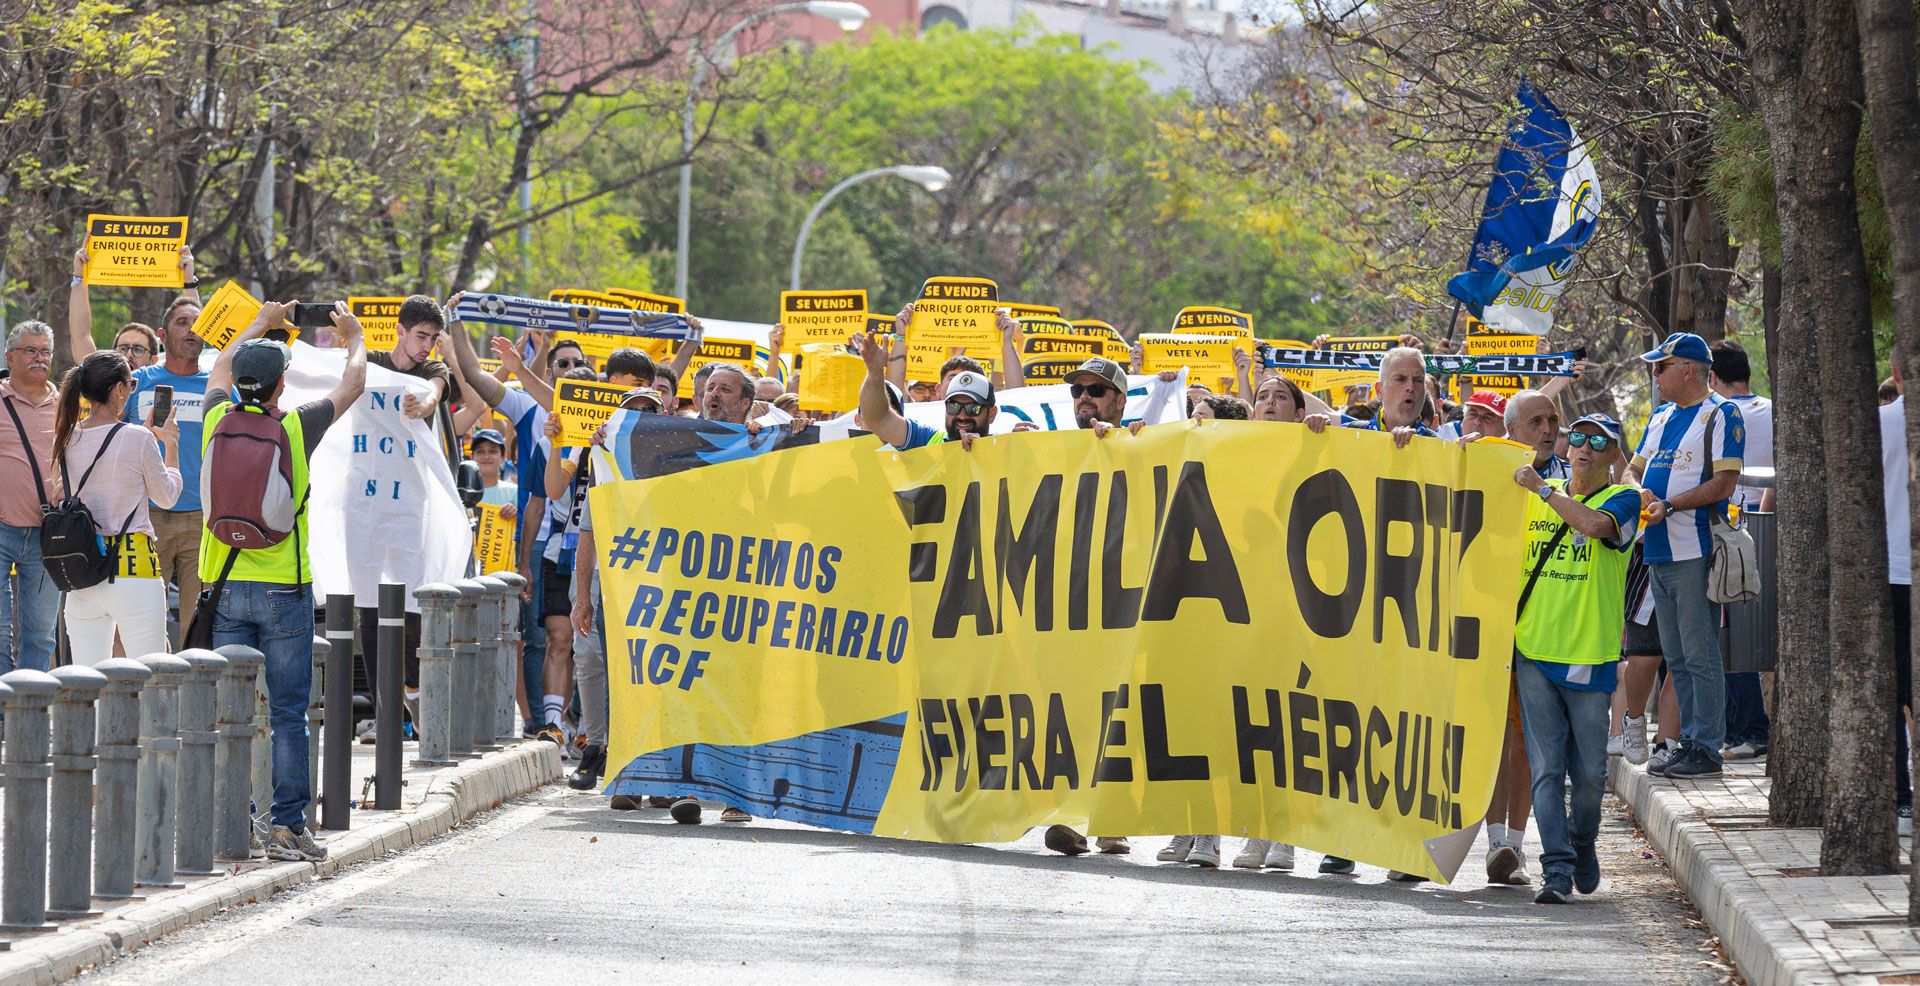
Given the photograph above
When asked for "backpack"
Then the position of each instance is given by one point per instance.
(246, 479)
(71, 548)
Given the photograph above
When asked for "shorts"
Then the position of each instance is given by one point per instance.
(1640, 640)
(556, 592)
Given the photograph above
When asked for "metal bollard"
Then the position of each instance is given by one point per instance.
(437, 603)
(70, 815)
(116, 778)
(507, 669)
(336, 806)
(391, 639)
(466, 659)
(316, 701)
(233, 804)
(193, 824)
(159, 769)
(486, 656)
(23, 867)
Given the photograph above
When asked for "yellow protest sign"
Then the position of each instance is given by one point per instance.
(958, 311)
(1068, 647)
(379, 321)
(1018, 310)
(1048, 356)
(135, 251)
(822, 316)
(493, 547)
(738, 352)
(489, 365)
(1485, 341)
(1209, 320)
(924, 359)
(583, 296)
(1117, 347)
(599, 345)
(1055, 346)
(582, 407)
(830, 378)
(1334, 379)
(1207, 359)
(225, 314)
(647, 301)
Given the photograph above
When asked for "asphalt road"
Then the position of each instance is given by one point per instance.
(559, 890)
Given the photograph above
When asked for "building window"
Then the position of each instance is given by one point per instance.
(940, 14)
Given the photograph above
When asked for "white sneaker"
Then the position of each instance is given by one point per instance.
(1519, 877)
(1177, 850)
(1636, 736)
(1616, 745)
(1205, 852)
(1254, 856)
(1662, 757)
(1280, 857)
(1501, 863)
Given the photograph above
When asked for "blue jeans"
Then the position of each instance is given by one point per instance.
(1747, 720)
(1566, 734)
(277, 620)
(1690, 637)
(533, 634)
(38, 601)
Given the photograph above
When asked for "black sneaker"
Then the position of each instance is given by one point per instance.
(1336, 864)
(593, 763)
(1693, 762)
(686, 811)
(1586, 868)
(1554, 890)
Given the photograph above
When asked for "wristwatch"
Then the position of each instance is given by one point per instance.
(1666, 505)
(190, 284)
(1545, 493)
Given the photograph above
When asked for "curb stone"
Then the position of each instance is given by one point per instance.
(453, 795)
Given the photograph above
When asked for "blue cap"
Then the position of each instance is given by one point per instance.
(1681, 345)
(1606, 424)
(490, 435)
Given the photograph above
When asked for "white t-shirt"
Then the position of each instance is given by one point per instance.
(1757, 412)
(1893, 462)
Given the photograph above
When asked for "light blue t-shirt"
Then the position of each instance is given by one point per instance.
(189, 393)
(529, 426)
(1673, 458)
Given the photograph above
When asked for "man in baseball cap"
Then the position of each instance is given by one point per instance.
(1483, 415)
(970, 405)
(1099, 389)
(258, 365)
(1680, 345)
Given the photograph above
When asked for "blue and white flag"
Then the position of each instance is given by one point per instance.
(536, 313)
(1542, 207)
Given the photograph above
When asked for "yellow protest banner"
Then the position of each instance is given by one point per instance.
(1334, 379)
(379, 321)
(582, 407)
(1069, 647)
(738, 352)
(822, 316)
(1209, 320)
(1117, 347)
(225, 314)
(1018, 310)
(647, 301)
(1207, 359)
(1056, 346)
(135, 251)
(1485, 341)
(958, 311)
(493, 547)
(830, 378)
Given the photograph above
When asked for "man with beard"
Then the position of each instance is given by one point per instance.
(176, 529)
(970, 405)
(1099, 390)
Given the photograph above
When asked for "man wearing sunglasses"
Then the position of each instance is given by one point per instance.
(1572, 610)
(1099, 389)
(970, 405)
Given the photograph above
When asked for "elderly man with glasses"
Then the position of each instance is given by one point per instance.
(26, 457)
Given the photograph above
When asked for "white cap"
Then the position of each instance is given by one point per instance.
(973, 385)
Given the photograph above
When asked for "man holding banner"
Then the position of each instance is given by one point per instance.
(1403, 392)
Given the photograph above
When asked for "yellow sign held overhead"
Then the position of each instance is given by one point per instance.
(1207, 359)
(647, 301)
(958, 311)
(822, 316)
(493, 547)
(738, 352)
(225, 314)
(135, 251)
(830, 378)
(1018, 310)
(582, 407)
(379, 321)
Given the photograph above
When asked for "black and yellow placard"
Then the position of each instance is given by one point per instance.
(738, 352)
(1047, 357)
(582, 407)
(584, 296)
(1019, 310)
(1210, 320)
(1117, 348)
(1208, 359)
(822, 316)
(135, 251)
(1052, 629)
(924, 359)
(493, 547)
(1335, 379)
(1485, 341)
(830, 378)
(223, 316)
(379, 321)
(600, 345)
(958, 311)
(647, 301)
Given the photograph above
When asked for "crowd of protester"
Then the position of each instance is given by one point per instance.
(125, 432)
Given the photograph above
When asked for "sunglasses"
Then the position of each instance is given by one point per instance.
(1093, 390)
(1598, 443)
(970, 408)
(568, 363)
(131, 350)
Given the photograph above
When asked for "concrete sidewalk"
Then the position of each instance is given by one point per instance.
(1759, 887)
(433, 802)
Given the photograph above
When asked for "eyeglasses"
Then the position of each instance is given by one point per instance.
(1598, 443)
(970, 408)
(1093, 390)
(35, 353)
(566, 363)
(132, 350)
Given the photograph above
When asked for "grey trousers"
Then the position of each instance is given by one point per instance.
(590, 675)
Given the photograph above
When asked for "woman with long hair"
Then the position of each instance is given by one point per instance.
(115, 468)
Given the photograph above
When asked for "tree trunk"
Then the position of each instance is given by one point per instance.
(1887, 39)
(1799, 738)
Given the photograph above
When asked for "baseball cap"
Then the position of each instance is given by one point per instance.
(646, 395)
(490, 435)
(1680, 345)
(1104, 370)
(259, 363)
(1489, 400)
(1606, 424)
(973, 385)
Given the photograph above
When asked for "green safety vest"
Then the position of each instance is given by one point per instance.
(285, 563)
(1578, 606)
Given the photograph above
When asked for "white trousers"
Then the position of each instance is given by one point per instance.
(135, 607)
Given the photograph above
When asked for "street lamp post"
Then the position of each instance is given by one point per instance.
(848, 15)
(930, 177)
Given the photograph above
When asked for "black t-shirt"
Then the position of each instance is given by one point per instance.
(315, 417)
